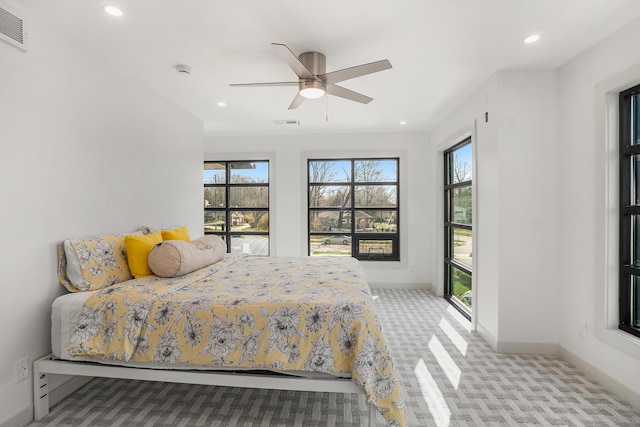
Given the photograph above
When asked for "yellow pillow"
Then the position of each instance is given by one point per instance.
(181, 233)
(138, 248)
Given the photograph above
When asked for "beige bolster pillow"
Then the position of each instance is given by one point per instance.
(173, 258)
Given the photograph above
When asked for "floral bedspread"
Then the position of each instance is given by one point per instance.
(304, 314)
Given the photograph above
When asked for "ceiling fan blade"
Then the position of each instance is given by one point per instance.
(265, 84)
(299, 99)
(293, 61)
(357, 71)
(336, 90)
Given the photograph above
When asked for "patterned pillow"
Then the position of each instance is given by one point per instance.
(95, 262)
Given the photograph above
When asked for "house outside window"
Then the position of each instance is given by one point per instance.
(629, 272)
(353, 207)
(236, 204)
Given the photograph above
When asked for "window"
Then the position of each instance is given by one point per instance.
(354, 208)
(629, 298)
(236, 204)
(458, 232)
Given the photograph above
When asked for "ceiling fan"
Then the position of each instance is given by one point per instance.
(313, 80)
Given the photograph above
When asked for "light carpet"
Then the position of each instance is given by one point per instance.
(451, 377)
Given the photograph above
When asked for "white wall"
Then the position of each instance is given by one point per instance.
(288, 154)
(528, 210)
(84, 150)
(587, 241)
(516, 226)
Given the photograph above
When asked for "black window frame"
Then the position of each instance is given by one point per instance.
(228, 210)
(450, 263)
(357, 237)
(629, 268)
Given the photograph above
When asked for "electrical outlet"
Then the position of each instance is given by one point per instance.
(22, 369)
(582, 331)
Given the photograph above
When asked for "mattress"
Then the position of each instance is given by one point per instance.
(65, 315)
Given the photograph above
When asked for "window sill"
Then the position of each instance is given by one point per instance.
(621, 340)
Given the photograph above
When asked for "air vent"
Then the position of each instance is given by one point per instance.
(12, 27)
(285, 122)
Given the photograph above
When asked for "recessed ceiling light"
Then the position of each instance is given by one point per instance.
(222, 104)
(112, 9)
(404, 122)
(532, 38)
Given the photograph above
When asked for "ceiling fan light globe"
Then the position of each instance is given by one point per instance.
(312, 89)
(312, 92)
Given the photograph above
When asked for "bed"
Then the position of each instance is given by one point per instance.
(309, 323)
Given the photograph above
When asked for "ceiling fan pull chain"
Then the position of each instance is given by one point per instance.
(326, 108)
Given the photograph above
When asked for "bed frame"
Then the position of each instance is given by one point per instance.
(46, 368)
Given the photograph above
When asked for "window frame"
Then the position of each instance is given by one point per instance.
(627, 268)
(355, 236)
(228, 210)
(449, 226)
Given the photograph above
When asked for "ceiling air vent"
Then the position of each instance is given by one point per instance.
(12, 27)
(285, 122)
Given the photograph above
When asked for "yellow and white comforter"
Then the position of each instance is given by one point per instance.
(304, 314)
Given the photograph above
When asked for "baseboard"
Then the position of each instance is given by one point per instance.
(598, 375)
(515, 347)
(527, 347)
(487, 336)
(386, 285)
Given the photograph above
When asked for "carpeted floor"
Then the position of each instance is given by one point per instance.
(450, 376)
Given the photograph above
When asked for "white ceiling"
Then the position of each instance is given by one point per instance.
(440, 51)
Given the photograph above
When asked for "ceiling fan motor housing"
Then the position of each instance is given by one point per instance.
(315, 62)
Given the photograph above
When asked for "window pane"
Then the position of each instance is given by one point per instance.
(635, 301)
(214, 221)
(376, 170)
(249, 172)
(376, 221)
(635, 240)
(249, 197)
(329, 196)
(462, 246)
(370, 196)
(214, 173)
(239, 204)
(634, 188)
(252, 245)
(460, 285)
(215, 197)
(255, 220)
(635, 120)
(335, 221)
(375, 248)
(461, 206)
(461, 164)
(330, 244)
(330, 171)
